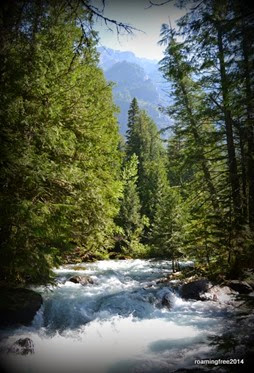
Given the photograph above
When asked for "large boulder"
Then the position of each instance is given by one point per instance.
(83, 280)
(22, 346)
(221, 294)
(241, 287)
(194, 289)
(18, 306)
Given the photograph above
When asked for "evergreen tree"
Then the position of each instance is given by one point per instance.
(132, 125)
(194, 148)
(168, 228)
(59, 142)
(143, 140)
(212, 84)
(129, 218)
(188, 104)
(220, 31)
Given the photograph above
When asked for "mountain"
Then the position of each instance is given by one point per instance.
(131, 77)
(135, 77)
(110, 56)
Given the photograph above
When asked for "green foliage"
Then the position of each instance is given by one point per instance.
(144, 141)
(209, 157)
(129, 215)
(129, 219)
(168, 230)
(63, 194)
(159, 203)
(59, 151)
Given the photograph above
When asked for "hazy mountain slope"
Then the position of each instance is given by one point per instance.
(110, 56)
(134, 77)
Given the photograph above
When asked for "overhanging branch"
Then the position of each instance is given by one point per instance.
(119, 26)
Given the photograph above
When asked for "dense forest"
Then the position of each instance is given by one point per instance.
(72, 188)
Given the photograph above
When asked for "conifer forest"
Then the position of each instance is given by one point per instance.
(74, 190)
(71, 186)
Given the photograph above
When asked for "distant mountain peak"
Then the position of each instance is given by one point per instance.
(108, 57)
(134, 77)
(125, 54)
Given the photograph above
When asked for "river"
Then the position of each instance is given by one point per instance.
(118, 324)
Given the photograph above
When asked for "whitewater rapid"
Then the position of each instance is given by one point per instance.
(118, 324)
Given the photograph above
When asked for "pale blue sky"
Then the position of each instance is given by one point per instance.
(134, 12)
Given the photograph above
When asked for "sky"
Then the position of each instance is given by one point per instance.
(138, 14)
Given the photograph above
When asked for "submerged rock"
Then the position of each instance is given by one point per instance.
(166, 302)
(194, 289)
(241, 286)
(22, 346)
(18, 306)
(83, 280)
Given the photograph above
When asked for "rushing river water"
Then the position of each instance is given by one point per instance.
(119, 324)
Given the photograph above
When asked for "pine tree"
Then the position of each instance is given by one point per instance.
(129, 218)
(143, 140)
(194, 149)
(133, 144)
(188, 101)
(167, 233)
(212, 84)
(220, 34)
(60, 161)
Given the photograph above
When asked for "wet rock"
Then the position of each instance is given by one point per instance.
(241, 287)
(149, 285)
(175, 275)
(23, 346)
(176, 285)
(151, 299)
(18, 306)
(78, 268)
(169, 277)
(162, 280)
(166, 302)
(194, 289)
(218, 293)
(251, 283)
(83, 280)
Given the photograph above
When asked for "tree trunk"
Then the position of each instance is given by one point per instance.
(232, 164)
(249, 122)
(198, 140)
(242, 140)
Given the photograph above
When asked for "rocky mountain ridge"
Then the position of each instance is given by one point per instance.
(135, 77)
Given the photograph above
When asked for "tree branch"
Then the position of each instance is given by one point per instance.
(118, 25)
(160, 4)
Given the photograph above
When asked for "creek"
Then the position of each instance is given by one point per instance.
(118, 324)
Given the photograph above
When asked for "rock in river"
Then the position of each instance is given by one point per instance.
(241, 286)
(18, 306)
(194, 289)
(166, 302)
(83, 280)
(22, 346)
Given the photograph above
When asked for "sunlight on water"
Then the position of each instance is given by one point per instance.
(117, 324)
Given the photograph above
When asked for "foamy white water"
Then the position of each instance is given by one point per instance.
(116, 325)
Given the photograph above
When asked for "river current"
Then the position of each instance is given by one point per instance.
(118, 324)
